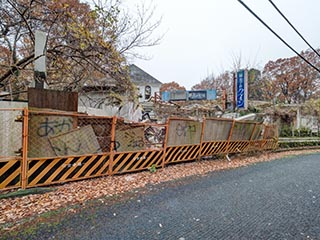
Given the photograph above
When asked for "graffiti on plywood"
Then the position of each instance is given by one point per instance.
(76, 142)
(41, 127)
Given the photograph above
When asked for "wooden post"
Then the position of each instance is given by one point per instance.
(112, 145)
(24, 164)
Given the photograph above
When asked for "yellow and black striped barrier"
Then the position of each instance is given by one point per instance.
(270, 144)
(238, 146)
(136, 161)
(10, 173)
(55, 170)
(263, 144)
(182, 153)
(211, 148)
(256, 145)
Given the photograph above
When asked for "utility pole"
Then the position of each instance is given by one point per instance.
(234, 102)
(40, 73)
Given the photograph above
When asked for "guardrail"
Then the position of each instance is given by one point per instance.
(285, 143)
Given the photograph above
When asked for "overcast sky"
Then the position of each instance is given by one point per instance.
(203, 36)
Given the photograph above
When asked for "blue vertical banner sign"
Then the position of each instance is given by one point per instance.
(242, 89)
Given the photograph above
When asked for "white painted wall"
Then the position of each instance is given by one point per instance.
(95, 104)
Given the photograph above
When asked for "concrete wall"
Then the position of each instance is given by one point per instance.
(9, 104)
(99, 107)
(11, 128)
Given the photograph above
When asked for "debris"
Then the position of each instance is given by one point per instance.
(129, 178)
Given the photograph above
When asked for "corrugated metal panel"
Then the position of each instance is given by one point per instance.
(44, 98)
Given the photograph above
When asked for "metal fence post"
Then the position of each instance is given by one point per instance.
(265, 135)
(113, 144)
(201, 137)
(253, 130)
(229, 138)
(251, 144)
(165, 143)
(276, 138)
(24, 165)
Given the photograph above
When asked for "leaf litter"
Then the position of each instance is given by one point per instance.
(74, 193)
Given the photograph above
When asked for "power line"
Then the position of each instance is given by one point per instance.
(293, 27)
(270, 29)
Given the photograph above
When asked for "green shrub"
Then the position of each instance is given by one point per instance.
(286, 131)
(298, 144)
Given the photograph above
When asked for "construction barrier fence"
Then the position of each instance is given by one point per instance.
(47, 147)
(11, 135)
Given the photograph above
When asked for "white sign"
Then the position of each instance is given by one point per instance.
(40, 51)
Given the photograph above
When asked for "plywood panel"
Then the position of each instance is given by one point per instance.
(43, 126)
(130, 139)
(102, 129)
(76, 142)
(184, 132)
(216, 130)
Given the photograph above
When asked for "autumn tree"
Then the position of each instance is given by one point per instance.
(207, 83)
(171, 86)
(135, 28)
(84, 45)
(254, 84)
(291, 80)
(221, 82)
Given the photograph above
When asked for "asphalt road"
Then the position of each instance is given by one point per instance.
(271, 200)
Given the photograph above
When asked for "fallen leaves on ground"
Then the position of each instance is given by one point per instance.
(73, 193)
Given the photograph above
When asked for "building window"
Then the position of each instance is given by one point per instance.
(147, 92)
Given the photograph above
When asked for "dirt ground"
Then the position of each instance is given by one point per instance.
(14, 210)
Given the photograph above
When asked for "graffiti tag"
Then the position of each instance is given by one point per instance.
(184, 129)
(47, 127)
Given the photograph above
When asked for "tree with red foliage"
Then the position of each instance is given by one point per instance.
(291, 80)
(84, 43)
(171, 86)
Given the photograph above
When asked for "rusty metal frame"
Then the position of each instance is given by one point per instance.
(229, 137)
(67, 168)
(130, 159)
(24, 149)
(201, 137)
(165, 144)
(134, 161)
(12, 160)
(112, 145)
(184, 149)
(219, 145)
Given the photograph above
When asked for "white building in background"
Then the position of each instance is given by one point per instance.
(95, 99)
(146, 84)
